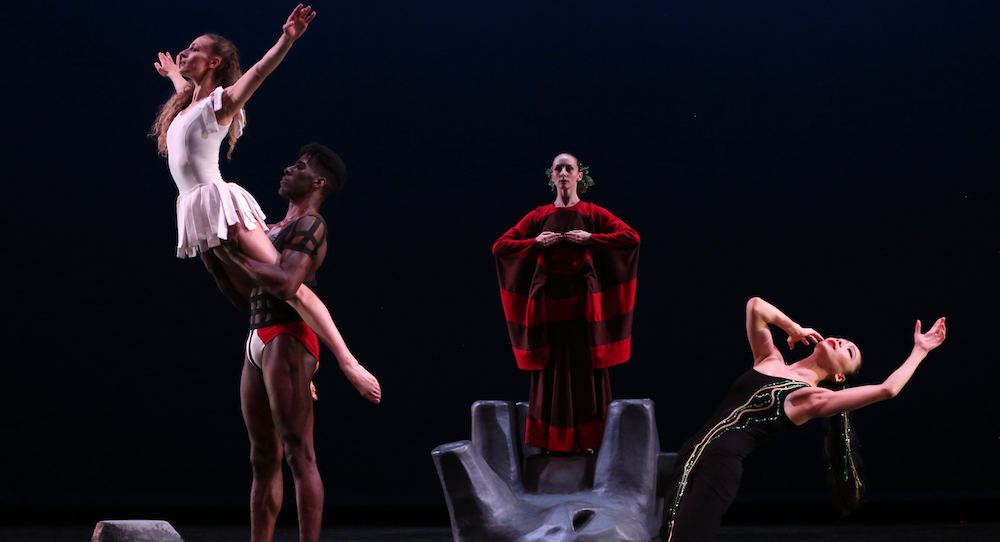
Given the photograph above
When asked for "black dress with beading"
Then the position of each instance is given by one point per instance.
(710, 464)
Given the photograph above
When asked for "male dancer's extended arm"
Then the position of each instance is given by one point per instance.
(281, 279)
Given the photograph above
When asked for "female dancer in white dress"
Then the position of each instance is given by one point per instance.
(211, 213)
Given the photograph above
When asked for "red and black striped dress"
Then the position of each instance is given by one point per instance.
(569, 314)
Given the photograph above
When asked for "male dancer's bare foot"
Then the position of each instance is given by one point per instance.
(365, 382)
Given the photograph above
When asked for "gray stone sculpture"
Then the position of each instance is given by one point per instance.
(135, 530)
(500, 490)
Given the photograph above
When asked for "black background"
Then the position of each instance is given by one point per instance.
(836, 158)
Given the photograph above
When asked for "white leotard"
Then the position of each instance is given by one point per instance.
(207, 205)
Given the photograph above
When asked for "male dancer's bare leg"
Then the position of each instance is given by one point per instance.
(283, 386)
(265, 454)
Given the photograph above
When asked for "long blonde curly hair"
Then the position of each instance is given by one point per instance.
(226, 73)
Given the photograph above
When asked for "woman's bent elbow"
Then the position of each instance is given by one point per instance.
(887, 393)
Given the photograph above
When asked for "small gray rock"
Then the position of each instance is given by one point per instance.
(135, 530)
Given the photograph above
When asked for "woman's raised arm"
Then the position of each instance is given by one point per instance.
(807, 403)
(759, 314)
(168, 68)
(236, 96)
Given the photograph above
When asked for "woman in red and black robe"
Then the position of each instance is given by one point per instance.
(567, 283)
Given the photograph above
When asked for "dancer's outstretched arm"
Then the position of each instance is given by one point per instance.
(168, 68)
(236, 96)
(815, 402)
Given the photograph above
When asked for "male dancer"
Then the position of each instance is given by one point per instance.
(282, 352)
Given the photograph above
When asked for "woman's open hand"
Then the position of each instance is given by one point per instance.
(166, 66)
(932, 339)
(298, 21)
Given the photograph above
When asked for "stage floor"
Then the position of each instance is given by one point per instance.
(958, 532)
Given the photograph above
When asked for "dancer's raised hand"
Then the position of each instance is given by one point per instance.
(298, 21)
(166, 66)
(169, 69)
(932, 339)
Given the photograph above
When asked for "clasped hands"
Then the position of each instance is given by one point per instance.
(549, 238)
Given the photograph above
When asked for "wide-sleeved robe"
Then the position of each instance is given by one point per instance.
(569, 314)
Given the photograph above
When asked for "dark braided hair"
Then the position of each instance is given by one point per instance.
(843, 459)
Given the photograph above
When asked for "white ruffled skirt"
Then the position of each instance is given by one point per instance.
(206, 212)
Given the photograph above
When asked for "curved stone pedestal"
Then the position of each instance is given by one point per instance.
(610, 497)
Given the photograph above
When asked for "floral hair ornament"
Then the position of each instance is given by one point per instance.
(586, 182)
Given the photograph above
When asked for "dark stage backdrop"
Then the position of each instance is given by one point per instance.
(836, 158)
